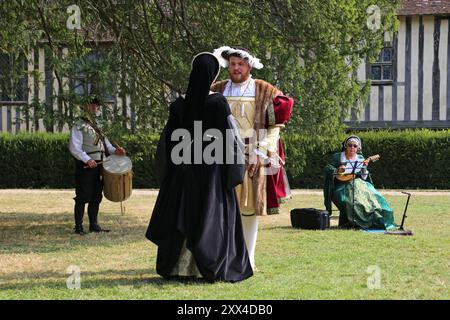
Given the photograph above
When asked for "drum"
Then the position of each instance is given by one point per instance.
(117, 178)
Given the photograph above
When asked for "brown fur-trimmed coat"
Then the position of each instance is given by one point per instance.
(265, 92)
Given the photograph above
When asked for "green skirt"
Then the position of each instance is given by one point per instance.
(371, 210)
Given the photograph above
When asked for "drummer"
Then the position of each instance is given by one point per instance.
(88, 146)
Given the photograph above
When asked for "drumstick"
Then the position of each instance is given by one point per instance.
(106, 160)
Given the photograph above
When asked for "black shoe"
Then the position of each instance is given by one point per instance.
(79, 230)
(97, 228)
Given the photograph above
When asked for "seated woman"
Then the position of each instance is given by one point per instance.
(369, 210)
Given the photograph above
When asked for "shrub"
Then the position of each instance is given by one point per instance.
(409, 159)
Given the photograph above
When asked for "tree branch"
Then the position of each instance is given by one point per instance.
(52, 48)
(152, 41)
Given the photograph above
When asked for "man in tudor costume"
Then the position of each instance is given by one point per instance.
(260, 110)
(88, 145)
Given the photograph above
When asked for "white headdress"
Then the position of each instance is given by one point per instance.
(352, 138)
(223, 53)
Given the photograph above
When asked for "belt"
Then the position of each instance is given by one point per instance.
(102, 153)
(95, 152)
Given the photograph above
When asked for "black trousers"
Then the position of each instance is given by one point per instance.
(88, 189)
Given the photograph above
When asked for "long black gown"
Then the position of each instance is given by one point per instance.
(197, 204)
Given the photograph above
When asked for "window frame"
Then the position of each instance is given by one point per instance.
(381, 64)
(22, 86)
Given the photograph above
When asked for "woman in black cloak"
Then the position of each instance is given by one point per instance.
(196, 221)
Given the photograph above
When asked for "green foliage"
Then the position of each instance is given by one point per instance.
(35, 161)
(409, 159)
(142, 150)
(309, 48)
(42, 160)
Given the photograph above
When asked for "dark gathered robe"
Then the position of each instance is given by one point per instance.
(197, 203)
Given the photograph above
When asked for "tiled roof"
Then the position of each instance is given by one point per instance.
(424, 7)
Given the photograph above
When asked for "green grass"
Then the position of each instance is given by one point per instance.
(37, 246)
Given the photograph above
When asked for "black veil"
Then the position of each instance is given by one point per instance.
(205, 69)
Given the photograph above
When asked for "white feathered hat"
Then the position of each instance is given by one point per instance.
(223, 53)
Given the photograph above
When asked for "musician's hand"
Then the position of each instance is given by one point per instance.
(120, 151)
(340, 169)
(254, 167)
(366, 162)
(92, 164)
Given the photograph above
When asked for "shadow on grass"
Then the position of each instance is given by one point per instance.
(135, 278)
(333, 222)
(27, 232)
(300, 229)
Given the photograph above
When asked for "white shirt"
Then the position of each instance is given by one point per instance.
(248, 89)
(350, 164)
(76, 143)
(243, 89)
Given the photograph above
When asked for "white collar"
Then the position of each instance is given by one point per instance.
(344, 157)
(241, 84)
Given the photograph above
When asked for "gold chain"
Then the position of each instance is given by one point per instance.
(246, 87)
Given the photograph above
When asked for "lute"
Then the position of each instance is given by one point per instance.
(342, 176)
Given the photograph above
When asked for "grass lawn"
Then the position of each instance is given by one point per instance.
(37, 247)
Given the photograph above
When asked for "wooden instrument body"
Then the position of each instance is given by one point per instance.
(117, 178)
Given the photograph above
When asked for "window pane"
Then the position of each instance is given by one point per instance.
(387, 54)
(21, 89)
(78, 87)
(4, 96)
(376, 73)
(4, 64)
(4, 77)
(387, 72)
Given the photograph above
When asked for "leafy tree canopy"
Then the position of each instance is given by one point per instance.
(311, 49)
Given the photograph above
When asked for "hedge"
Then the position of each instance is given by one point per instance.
(409, 159)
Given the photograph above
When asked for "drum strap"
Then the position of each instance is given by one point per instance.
(106, 148)
(93, 152)
(100, 134)
(101, 157)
